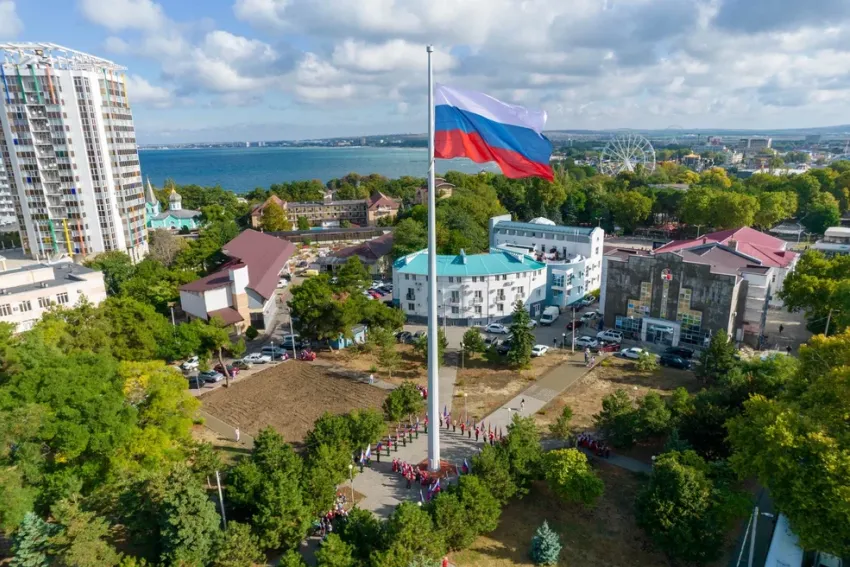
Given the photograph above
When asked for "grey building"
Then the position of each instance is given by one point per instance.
(683, 297)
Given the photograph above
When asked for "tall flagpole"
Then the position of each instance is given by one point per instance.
(433, 361)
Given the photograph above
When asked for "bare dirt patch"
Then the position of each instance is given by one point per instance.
(488, 385)
(289, 397)
(411, 368)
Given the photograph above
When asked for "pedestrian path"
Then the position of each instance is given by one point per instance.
(225, 430)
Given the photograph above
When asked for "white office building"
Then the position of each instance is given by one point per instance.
(572, 255)
(69, 160)
(473, 289)
(27, 292)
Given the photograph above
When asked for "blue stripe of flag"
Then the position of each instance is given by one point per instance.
(524, 141)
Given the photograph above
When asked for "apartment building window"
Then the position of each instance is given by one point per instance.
(474, 279)
(455, 310)
(478, 295)
(44, 302)
(520, 291)
(455, 296)
(500, 307)
(411, 295)
(25, 306)
(478, 310)
(411, 307)
(5, 310)
(62, 298)
(500, 295)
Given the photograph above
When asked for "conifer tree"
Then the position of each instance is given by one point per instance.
(545, 546)
(31, 542)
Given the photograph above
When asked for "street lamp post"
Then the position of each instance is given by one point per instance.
(573, 348)
(351, 480)
(465, 412)
(563, 341)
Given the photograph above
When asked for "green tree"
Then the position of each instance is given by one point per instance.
(408, 533)
(31, 542)
(524, 452)
(629, 208)
(187, 521)
(16, 499)
(421, 346)
(303, 223)
(117, 267)
(561, 427)
(798, 447)
(653, 416)
(292, 559)
(570, 477)
(492, 466)
(473, 342)
(647, 362)
(775, 206)
(274, 219)
(686, 511)
(215, 338)
(81, 539)
(334, 552)
(238, 547)
(352, 276)
(409, 236)
(618, 419)
(326, 467)
(319, 312)
(732, 210)
(522, 339)
(402, 402)
(362, 530)
(482, 507)
(450, 520)
(696, 206)
(205, 461)
(366, 426)
(718, 359)
(823, 212)
(545, 546)
(820, 287)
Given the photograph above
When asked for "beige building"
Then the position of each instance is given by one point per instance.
(444, 191)
(329, 213)
(27, 292)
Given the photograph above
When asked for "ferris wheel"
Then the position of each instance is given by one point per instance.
(626, 152)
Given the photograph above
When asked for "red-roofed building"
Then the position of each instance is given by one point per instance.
(763, 249)
(380, 206)
(242, 291)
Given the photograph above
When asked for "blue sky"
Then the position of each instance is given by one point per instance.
(295, 69)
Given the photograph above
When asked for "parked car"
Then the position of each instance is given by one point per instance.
(492, 341)
(403, 336)
(505, 347)
(605, 346)
(573, 325)
(674, 361)
(293, 340)
(418, 335)
(632, 352)
(539, 350)
(272, 351)
(532, 324)
(242, 365)
(497, 329)
(196, 382)
(257, 358)
(231, 368)
(586, 341)
(211, 376)
(610, 335)
(682, 352)
(589, 316)
(282, 283)
(190, 363)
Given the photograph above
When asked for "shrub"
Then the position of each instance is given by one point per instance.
(251, 333)
(570, 477)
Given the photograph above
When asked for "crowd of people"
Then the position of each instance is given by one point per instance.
(325, 524)
(599, 448)
(413, 474)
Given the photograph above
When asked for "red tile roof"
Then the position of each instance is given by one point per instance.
(265, 256)
(229, 315)
(372, 250)
(258, 209)
(768, 250)
(378, 199)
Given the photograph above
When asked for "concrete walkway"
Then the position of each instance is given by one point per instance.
(225, 430)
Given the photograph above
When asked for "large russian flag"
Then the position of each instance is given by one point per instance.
(479, 127)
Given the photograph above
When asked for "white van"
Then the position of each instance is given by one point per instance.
(550, 315)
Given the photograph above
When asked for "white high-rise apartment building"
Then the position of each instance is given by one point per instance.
(69, 161)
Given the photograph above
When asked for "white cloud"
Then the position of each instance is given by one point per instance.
(116, 45)
(140, 91)
(117, 15)
(10, 24)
